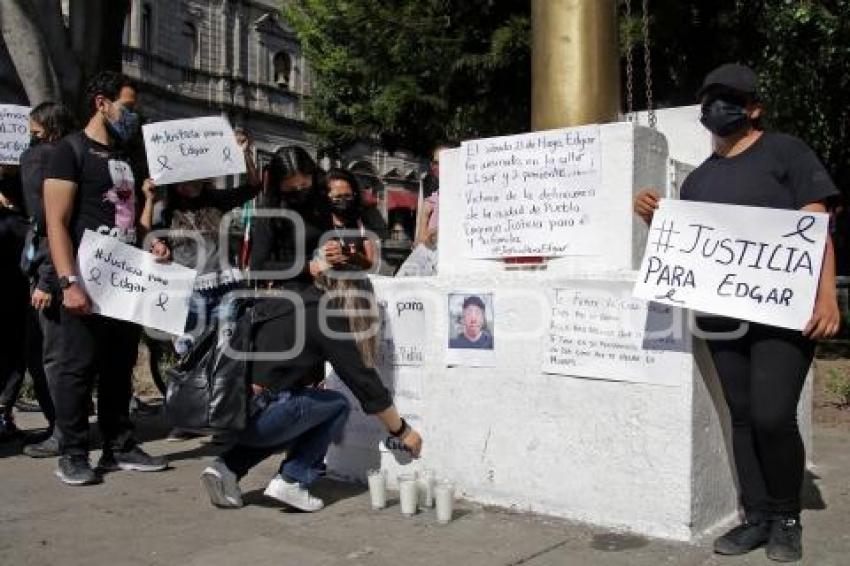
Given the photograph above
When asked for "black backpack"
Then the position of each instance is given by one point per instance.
(208, 391)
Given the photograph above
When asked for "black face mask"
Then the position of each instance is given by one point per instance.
(35, 140)
(296, 199)
(724, 118)
(343, 207)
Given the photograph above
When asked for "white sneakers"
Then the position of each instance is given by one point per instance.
(221, 485)
(293, 495)
(223, 488)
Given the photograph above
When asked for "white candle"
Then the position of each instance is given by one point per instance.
(407, 490)
(378, 488)
(426, 488)
(444, 494)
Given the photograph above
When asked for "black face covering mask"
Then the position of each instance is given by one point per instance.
(34, 140)
(343, 207)
(724, 118)
(296, 199)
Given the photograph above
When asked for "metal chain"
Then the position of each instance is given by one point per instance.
(647, 61)
(630, 70)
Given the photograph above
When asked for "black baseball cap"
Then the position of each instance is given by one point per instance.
(473, 300)
(732, 76)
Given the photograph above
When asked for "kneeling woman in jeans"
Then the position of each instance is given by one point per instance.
(295, 328)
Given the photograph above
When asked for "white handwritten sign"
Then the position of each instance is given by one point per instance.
(405, 315)
(14, 132)
(198, 148)
(126, 283)
(749, 263)
(533, 194)
(600, 331)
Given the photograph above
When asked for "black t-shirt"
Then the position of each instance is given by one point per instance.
(34, 163)
(777, 171)
(106, 191)
(276, 247)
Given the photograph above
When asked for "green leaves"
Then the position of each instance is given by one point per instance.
(413, 73)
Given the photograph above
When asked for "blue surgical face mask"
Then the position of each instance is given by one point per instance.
(125, 127)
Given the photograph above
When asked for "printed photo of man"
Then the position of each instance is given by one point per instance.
(475, 332)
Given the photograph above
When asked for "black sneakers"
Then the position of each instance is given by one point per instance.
(74, 469)
(8, 430)
(786, 540)
(744, 538)
(135, 459)
(48, 448)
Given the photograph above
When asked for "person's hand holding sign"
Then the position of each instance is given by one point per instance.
(333, 252)
(40, 300)
(161, 251)
(646, 203)
(158, 247)
(149, 190)
(243, 141)
(826, 316)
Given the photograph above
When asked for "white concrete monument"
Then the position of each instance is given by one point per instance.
(592, 412)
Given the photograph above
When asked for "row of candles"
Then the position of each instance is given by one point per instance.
(416, 491)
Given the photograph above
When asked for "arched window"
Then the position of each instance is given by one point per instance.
(190, 44)
(147, 28)
(282, 64)
(125, 32)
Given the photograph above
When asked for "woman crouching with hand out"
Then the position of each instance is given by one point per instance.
(295, 333)
(763, 371)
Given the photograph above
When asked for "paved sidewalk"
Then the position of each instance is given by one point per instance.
(165, 519)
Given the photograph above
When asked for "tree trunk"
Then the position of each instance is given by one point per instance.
(64, 61)
(11, 89)
(27, 46)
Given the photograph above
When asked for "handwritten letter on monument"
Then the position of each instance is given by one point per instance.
(533, 194)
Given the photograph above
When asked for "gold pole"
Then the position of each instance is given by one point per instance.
(575, 63)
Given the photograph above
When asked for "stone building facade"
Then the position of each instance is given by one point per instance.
(236, 58)
(240, 59)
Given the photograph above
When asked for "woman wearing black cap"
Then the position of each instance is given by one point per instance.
(763, 372)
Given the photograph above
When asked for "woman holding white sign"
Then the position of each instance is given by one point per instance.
(763, 369)
(191, 216)
(293, 333)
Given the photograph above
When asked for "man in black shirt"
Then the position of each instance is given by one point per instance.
(90, 185)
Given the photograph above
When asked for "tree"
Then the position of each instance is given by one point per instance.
(412, 73)
(800, 48)
(44, 59)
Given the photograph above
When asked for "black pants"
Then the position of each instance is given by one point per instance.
(762, 374)
(79, 351)
(35, 364)
(13, 315)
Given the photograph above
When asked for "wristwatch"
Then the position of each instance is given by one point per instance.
(67, 280)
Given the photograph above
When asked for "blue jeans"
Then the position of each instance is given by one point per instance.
(205, 308)
(302, 422)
